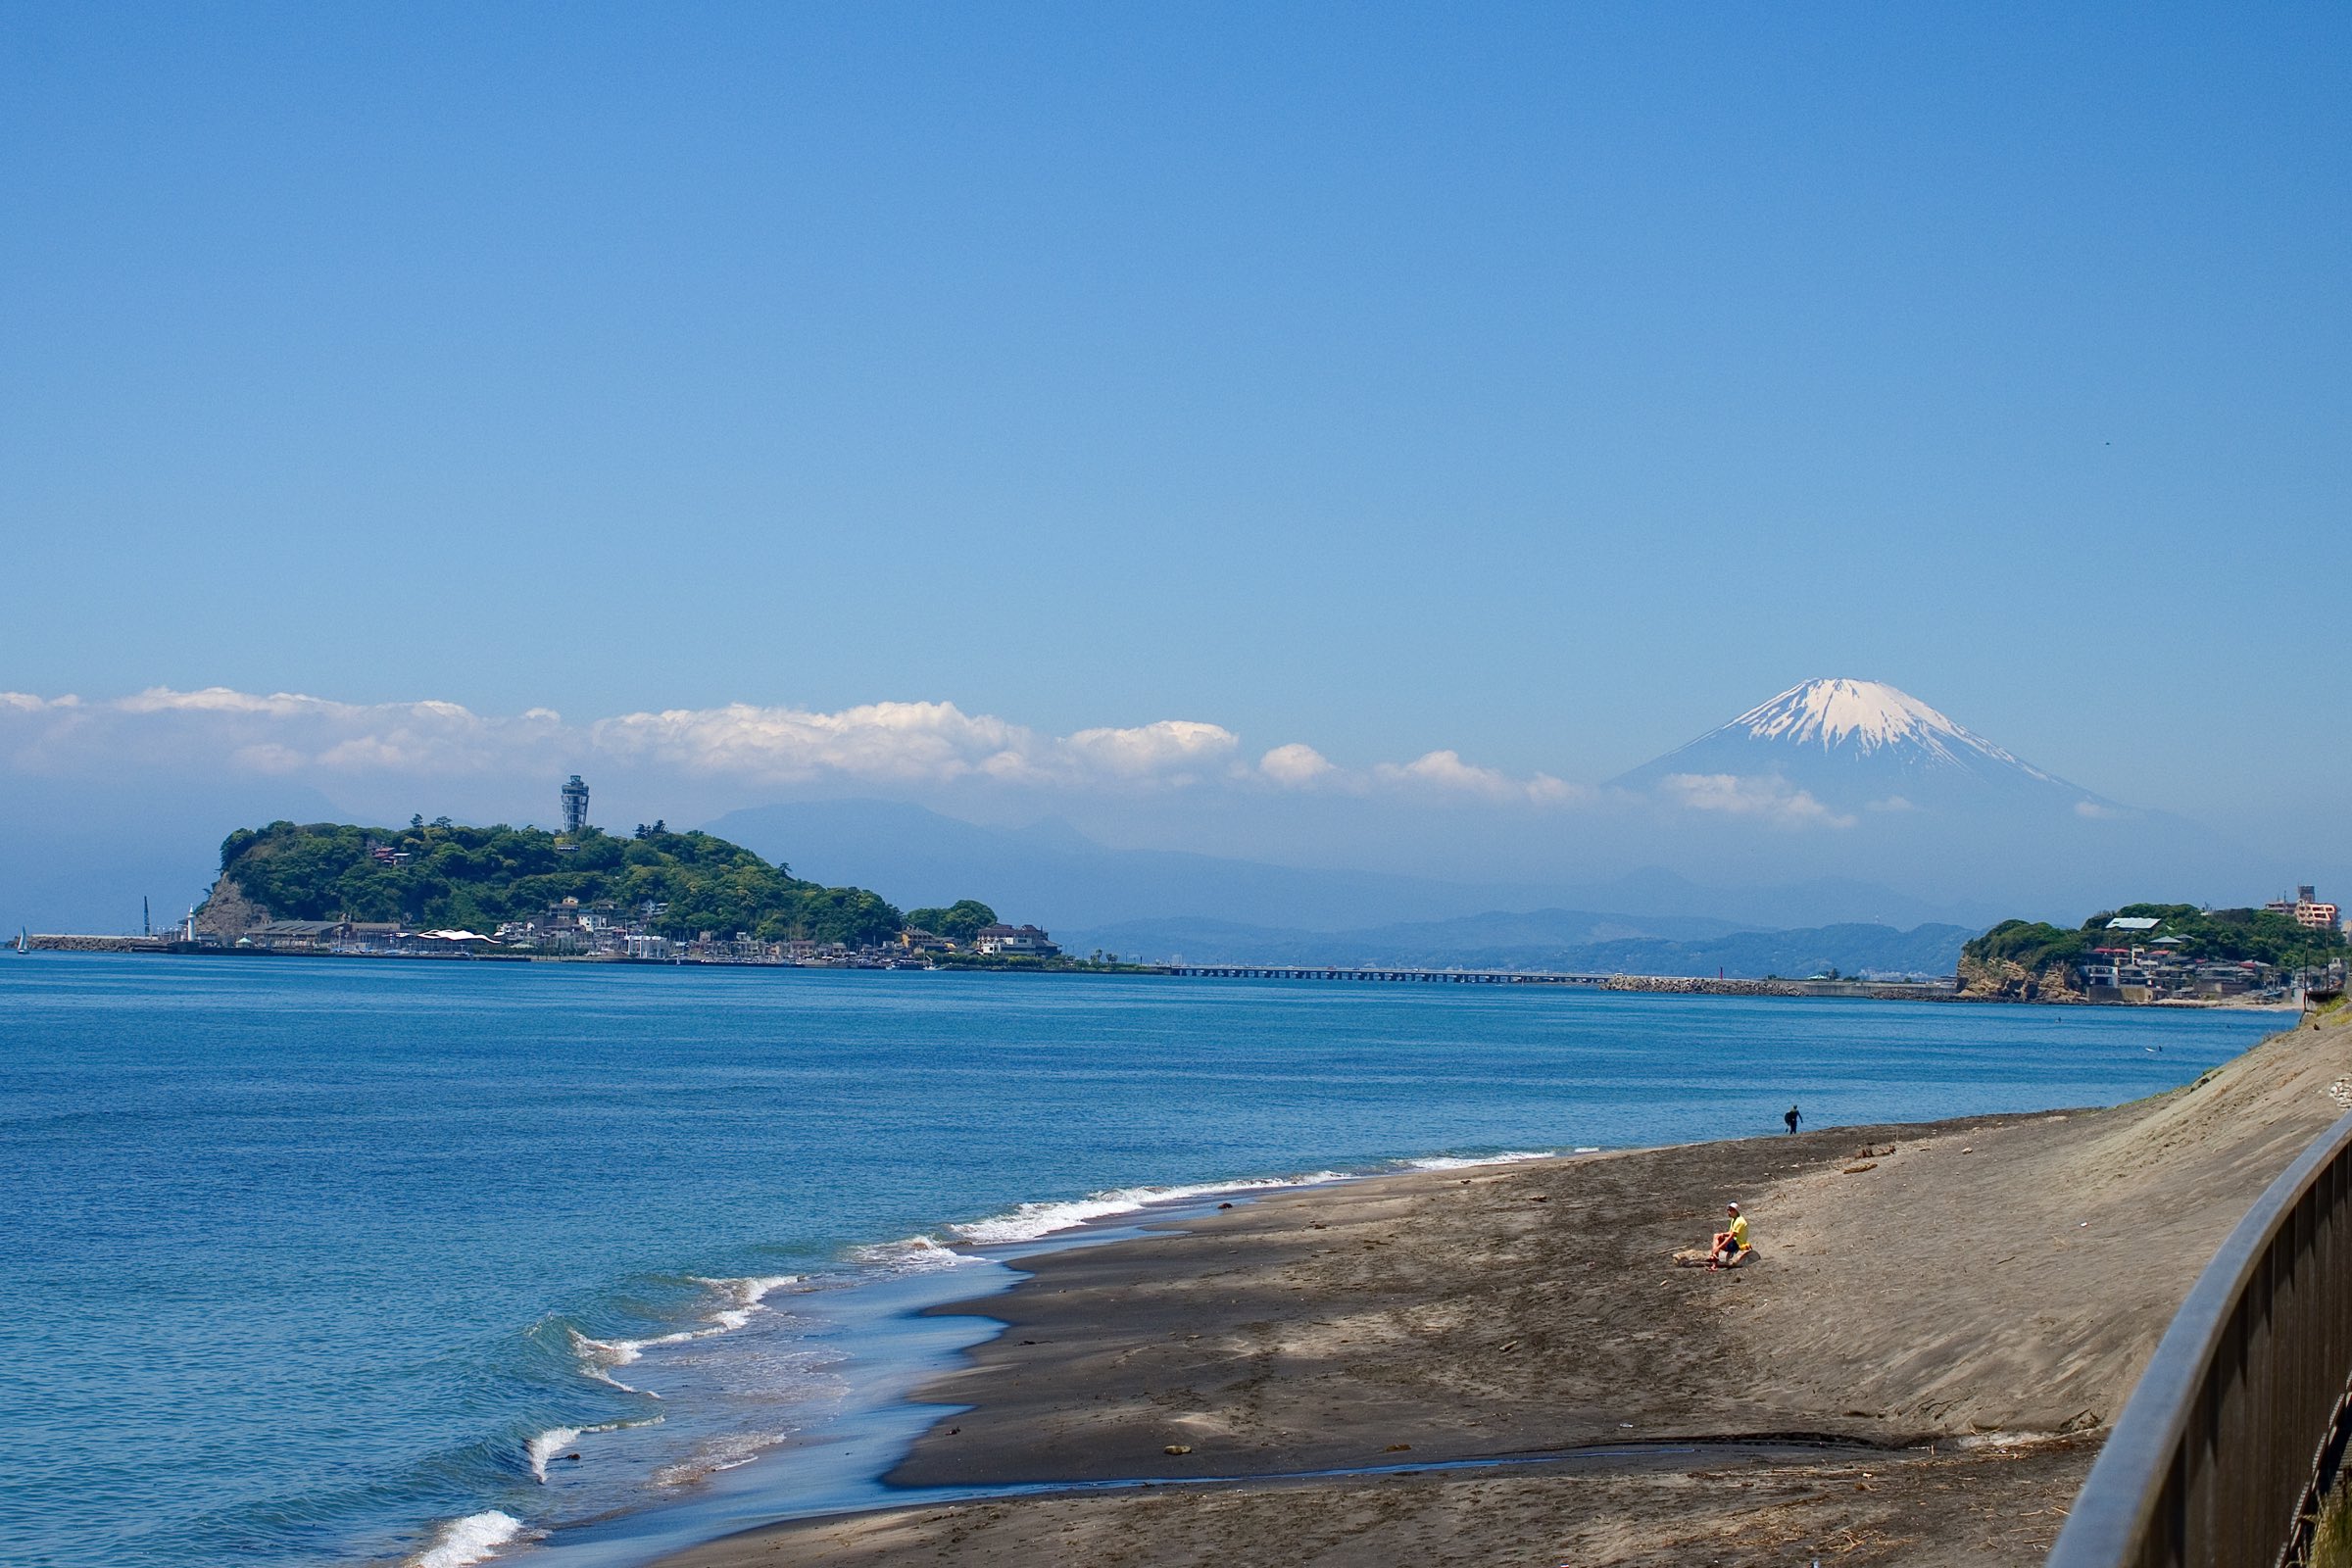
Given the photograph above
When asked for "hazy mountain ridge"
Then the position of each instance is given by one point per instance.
(1051, 874)
(1550, 938)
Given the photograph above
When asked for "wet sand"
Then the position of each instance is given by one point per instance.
(1916, 1367)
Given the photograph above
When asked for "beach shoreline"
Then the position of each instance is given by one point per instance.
(1498, 1361)
(677, 1142)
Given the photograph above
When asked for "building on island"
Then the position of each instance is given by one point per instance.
(1012, 940)
(2307, 909)
(576, 805)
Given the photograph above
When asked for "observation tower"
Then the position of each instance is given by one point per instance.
(576, 805)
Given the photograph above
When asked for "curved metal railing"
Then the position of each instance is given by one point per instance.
(2241, 1415)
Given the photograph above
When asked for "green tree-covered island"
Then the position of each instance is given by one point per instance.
(439, 875)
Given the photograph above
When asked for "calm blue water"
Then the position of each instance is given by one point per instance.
(303, 1258)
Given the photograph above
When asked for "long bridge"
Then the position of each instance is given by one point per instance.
(1673, 985)
(1459, 978)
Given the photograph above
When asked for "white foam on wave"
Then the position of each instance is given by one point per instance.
(542, 1448)
(724, 1454)
(1029, 1221)
(737, 1300)
(1472, 1161)
(598, 1359)
(744, 1297)
(547, 1444)
(916, 1254)
(473, 1538)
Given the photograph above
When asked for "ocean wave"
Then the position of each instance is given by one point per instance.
(1027, 1222)
(473, 1538)
(724, 1454)
(1472, 1161)
(746, 1293)
(545, 1445)
(738, 1299)
(598, 1357)
(914, 1254)
(542, 1447)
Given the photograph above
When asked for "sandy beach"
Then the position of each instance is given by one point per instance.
(1917, 1367)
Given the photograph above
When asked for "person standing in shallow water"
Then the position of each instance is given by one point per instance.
(1793, 1118)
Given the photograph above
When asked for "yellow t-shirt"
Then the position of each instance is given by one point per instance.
(1738, 1231)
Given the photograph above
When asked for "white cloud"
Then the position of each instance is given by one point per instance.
(1171, 747)
(268, 759)
(878, 742)
(1766, 799)
(912, 746)
(2095, 810)
(280, 733)
(1297, 765)
(1445, 772)
(910, 743)
(223, 699)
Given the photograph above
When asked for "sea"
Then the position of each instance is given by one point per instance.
(432, 1264)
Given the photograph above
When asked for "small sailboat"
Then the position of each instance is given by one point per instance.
(24, 939)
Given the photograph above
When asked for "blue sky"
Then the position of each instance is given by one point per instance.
(1540, 384)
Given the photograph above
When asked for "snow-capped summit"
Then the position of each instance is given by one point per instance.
(1842, 746)
(1869, 716)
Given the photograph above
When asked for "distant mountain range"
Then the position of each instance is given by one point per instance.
(1799, 807)
(79, 855)
(1050, 873)
(1155, 905)
(1839, 801)
(1548, 939)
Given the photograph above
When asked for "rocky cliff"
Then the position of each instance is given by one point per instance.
(228, 914)
(2004, 980)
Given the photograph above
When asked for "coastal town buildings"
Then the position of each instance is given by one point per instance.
(1011, 941)
(2158, 971)
(2307, 909)
(603, 929)
(383, 938)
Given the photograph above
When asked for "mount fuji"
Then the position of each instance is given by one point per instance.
(1830, 749)
(1859, 779)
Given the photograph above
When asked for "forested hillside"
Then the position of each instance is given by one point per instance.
(2224, 936)
(440, 874)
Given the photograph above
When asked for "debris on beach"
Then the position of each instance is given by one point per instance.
(1177, 1447)
(1856, 1170)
